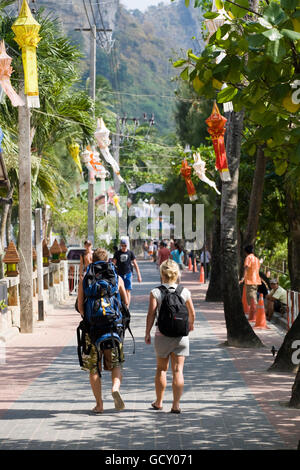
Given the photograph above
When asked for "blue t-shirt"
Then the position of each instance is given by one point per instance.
(176, 256)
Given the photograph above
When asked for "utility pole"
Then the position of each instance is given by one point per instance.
(91, 190)
(91, 184)
(116, 145)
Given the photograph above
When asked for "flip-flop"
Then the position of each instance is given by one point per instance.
(157, 408)
(176, 411)
(96, 412)
(119, 404)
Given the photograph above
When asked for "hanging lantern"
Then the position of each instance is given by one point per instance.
(11, 259)
(46, 254)
(216, 128)
(74, 150)
(5, 72)
(63, 249)
(186, 172)
(199, 167)
(26, 29)
(55, 251)
(102, 137)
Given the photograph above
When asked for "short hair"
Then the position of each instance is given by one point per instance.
(249, 249)
(87, 243)
(100, 254)
(169, 270)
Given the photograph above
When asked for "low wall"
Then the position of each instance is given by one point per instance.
(55, 292)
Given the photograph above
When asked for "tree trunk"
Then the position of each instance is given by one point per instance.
(239, 331)
(284, 358)
(295, 397)
(214, 291)
(293, 215)
(255, 198)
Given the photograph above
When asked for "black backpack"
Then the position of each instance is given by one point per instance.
(173, 316)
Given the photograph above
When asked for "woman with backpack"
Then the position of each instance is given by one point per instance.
(167, 344)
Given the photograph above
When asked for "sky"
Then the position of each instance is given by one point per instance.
(141, 4)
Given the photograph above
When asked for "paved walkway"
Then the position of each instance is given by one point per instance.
(230, 401)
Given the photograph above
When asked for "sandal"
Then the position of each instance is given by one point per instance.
(119, 404)
(175, 411)
(94, 411)
(156, 408)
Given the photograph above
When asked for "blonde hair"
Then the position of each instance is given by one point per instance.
(169, 271)
(100, 254)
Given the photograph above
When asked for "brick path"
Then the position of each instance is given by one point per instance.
(230, 401)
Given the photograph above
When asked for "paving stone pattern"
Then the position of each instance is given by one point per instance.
(219, 410)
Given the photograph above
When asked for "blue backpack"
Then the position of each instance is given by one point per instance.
(105, 317)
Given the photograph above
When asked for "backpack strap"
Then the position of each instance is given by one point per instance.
(179, 289)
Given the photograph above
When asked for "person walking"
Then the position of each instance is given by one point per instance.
(163, 253)
(167, 348)
(86, 259)
(125, 260)
(113, 358)
(251, 279)
(177, 255)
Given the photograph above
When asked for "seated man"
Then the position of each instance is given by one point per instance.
(276, 299)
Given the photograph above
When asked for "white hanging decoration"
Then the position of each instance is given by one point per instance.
(102, 137)
(213, 25)
(199, 167)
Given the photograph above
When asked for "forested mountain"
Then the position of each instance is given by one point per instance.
(138, 68)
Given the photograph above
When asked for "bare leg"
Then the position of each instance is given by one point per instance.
(161, 379)
(95, 382)
(178, 380)
(116, 378)
(128, 292)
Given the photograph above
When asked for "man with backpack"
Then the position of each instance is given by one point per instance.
(172, 305)
(100, 297)
(125, 260)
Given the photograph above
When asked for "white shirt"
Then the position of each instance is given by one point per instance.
(185, 294)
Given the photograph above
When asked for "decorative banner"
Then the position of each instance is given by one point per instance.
(74, 150)
(102, 137)
(216, 128)
(186, 172)
(26, 29)
(199, 167)
(5, 72)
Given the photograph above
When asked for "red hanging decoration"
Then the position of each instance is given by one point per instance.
(186, 173)
(216, 128)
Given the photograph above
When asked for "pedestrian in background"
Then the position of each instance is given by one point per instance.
(251, 279)
(125, 261)
(86, 258)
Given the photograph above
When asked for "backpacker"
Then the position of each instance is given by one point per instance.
(103, 319)
(173, 317)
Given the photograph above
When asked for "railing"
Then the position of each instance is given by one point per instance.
(73, 275)
(293, 302)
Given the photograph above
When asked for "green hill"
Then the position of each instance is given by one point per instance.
(138, 67)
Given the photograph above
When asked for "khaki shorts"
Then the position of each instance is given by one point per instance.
(111, 358)
(251, 293)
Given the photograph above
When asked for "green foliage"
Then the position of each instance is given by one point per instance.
(260, 65)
